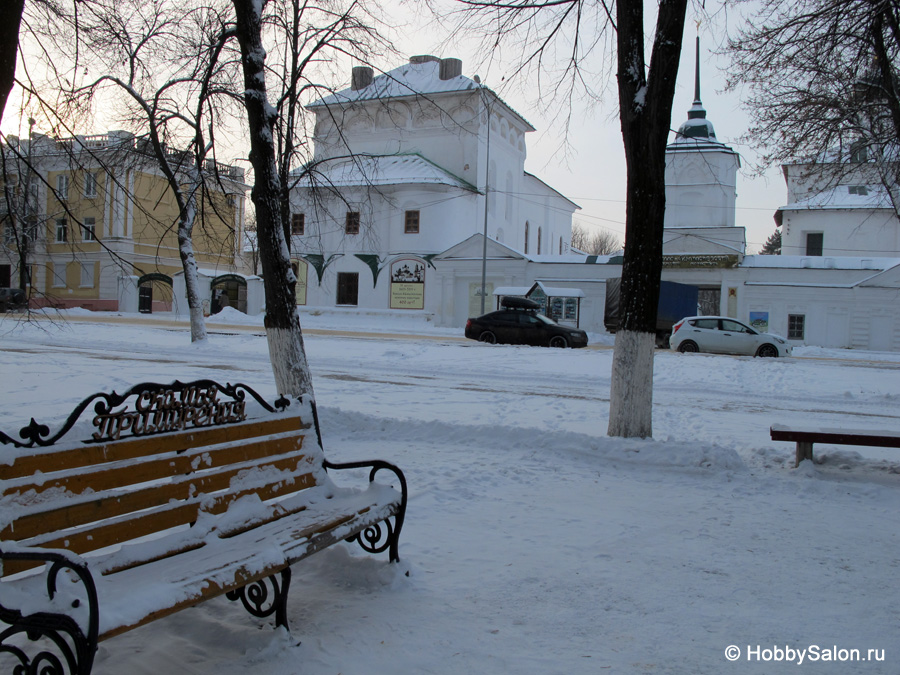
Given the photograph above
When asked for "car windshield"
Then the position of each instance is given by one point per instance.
(546, 319)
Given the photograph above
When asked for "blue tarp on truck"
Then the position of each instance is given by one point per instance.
(676, 301)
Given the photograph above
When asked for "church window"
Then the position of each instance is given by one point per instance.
(411, 222)
(298, 224)
(814, 243)
(351, 225)
(796, 326)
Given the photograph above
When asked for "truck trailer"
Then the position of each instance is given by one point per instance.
(676, 301)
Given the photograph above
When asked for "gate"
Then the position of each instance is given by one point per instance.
(145, 299)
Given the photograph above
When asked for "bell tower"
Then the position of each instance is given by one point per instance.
(701, 172)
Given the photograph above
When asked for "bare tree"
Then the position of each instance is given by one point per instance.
(19, 212)
(594, 242)
(302, 36)
(283, 332)
(578, 28)
(165, 58)
(823, 82)
(250, 245)
(305, 35)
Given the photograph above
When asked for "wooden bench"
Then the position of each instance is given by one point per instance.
(804, 438)
(183, 492)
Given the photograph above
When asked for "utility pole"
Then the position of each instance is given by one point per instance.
(487, 173)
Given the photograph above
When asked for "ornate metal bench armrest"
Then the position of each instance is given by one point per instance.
(371, 538)
(78, 650)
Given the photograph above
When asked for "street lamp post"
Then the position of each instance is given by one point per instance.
(487, 173)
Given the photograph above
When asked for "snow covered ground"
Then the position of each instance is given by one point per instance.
(534, 543)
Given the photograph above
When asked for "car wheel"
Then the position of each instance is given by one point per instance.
(559, 342)
(488, 337)
(688, 346)
(767, 351)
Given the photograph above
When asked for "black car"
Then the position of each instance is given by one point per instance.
(11, 298)
(519, 323)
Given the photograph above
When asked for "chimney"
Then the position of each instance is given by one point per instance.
(360, 78)
(450, 68)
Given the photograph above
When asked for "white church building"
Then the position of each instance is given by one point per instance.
(406, 165)
(391, 215)
(832, 298)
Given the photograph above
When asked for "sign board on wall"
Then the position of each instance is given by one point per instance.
(475, 295)
(408, 284)
(760, 321)
(700, 260)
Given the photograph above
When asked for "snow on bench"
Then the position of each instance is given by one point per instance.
(182, 492)
(804, 437)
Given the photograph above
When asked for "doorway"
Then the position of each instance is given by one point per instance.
(348, 288)
(155, 293)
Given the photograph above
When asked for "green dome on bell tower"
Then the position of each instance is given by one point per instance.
(696, 127)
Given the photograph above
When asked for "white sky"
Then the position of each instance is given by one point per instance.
(592, 172)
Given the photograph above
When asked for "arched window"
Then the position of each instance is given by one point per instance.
(539, 241)
(526, 236)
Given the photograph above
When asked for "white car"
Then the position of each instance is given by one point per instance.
(723, 335)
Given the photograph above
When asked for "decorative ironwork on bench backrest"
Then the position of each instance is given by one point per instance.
(156, 408)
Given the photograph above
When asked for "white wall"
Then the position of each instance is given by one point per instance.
(700, 187)
(447, 215)
(846, 232)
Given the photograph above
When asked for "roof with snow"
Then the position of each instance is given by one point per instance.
(422, 76)
(858, 152)
(820, 262)
(411, 79)
(379, 171)
(844, 197)
(532, 177)
(558, 291)
(549, 291)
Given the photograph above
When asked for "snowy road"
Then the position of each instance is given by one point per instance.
(534, 544)
(443, 378)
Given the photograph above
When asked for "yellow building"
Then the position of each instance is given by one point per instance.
(104, 221)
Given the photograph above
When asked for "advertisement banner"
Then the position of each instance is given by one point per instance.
(408, 284)
(760, 321)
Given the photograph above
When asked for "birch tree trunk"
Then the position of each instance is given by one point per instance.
(189, 264)
(645, 113)
(187, 209)
(286, 351)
